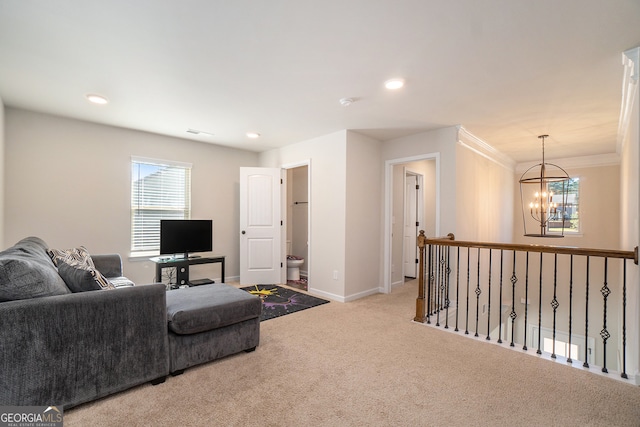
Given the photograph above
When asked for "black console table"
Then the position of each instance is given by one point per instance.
(182, 268)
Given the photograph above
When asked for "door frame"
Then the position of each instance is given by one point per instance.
(388, 208)
(308, 261)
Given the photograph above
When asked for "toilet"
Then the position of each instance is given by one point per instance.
(293, 264)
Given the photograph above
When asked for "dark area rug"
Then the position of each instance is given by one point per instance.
(278, 301)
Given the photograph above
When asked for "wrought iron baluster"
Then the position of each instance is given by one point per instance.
(500, 299)
(429, 283)
(526, 301)
(489, 301)
(478, 292)
(539, 350)
(513, 315)
(447, 271)
(457, 287)
(554, 303)
(466, 331)
(438, 283)
(624, 319)
(604, 333)
(586, 319)
(441, 283)
(569, 360)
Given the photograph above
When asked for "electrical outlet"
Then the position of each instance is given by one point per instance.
(335, 274)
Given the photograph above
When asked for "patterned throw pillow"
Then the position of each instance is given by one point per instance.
(80, 255)
(82, 274)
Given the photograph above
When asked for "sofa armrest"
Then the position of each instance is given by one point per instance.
(110, 265)
(69, 349)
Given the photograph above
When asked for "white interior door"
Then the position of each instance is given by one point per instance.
(410, 225)
(261, 249)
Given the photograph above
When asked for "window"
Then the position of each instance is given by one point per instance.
(567, 212)
(159, 190)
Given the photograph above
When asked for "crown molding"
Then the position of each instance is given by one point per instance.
(477, 145)
(610, 159)
(631, 64)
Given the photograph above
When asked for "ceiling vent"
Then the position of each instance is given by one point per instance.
(199, 132)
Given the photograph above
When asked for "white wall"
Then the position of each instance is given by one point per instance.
(442, 141)
(629, 228)
(327, 206)
(484, 191)
(485, 199)
(599, 209)
(363, 201)
(68, 181)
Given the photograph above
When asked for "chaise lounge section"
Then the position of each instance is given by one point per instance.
(209, 322)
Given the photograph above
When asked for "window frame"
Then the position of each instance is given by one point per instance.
(137, 250)
(570, 231)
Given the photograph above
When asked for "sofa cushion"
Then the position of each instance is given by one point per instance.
(207, 307)
(26, 271)
(81, 278)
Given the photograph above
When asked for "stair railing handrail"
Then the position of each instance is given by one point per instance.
(449, 240)
(434, 253)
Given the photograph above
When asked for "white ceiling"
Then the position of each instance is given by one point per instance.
(506, 70)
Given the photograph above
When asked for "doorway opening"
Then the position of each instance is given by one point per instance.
(413, 219)
(297, 226)
(404, 208)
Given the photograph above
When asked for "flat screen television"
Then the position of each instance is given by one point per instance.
(185, 236)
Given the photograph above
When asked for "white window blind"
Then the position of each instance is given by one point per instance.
(159, 190)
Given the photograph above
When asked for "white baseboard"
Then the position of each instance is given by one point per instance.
(347, 298)
(328, 295)
(399, 283)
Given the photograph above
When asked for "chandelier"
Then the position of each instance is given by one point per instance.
(544, 192)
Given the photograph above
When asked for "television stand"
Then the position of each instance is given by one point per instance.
(182, 267)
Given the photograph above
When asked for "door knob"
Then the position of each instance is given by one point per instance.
(244, 232)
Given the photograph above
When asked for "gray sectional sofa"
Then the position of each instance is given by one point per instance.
(65, 348)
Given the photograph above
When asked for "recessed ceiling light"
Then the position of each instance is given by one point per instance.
(394, 84)
(97, 99)
(253, 135)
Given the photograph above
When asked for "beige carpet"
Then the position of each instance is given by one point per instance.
(365, 363)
